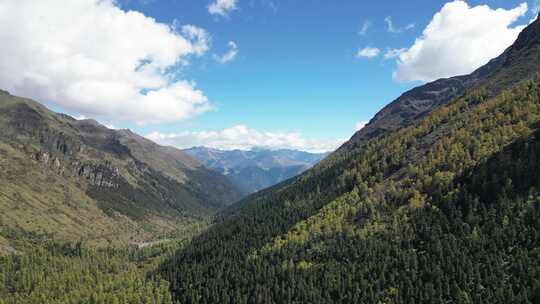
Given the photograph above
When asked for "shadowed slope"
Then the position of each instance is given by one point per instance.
(398, 218)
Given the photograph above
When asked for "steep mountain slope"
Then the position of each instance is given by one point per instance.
(515, 64)
(442, 209)
(256, 169)
(76, 179)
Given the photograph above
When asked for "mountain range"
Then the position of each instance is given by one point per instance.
(78, 180)
(436, 200)
(258, 168)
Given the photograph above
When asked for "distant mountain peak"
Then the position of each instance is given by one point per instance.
(257, 168)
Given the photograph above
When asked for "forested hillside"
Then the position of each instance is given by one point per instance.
(45, 271)
(443, 209)
(516, 63)
(436, 200)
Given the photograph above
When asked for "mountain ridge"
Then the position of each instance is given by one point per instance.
(128, 183)
(407, 216)
(422, 99)
(258, 168)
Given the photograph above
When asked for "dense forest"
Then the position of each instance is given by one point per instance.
(446, 210)
(68, 273)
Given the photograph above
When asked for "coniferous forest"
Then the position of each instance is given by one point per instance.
(436, 200)
(64, 272)
(445, 211)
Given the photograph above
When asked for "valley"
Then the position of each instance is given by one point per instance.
(256, 169)
(434, 212)
(435, 200)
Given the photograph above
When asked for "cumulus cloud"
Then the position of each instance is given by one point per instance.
(222, 7)
(396, 30)
(365, 27)
(458, 40)
(229, 55)
(368, 52)
(243, 138)
(90, 57)
(199, 37)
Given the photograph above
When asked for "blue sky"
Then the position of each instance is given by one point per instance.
(297, 75)
(296, 68)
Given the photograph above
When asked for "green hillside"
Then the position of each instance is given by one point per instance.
(54, 272)
(436, 200)
(77, 180)
(443, 209)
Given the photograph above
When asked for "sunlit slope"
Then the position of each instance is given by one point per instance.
(76, 179)
(443, 208)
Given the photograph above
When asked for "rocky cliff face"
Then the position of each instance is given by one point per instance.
(102, 174)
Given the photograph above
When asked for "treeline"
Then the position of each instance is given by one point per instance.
(444, 211)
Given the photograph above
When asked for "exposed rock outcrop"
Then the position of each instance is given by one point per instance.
(96, 174)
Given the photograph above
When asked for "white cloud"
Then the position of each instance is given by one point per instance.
(222, 7)
(365, 27)
(393, 53)
(368, 52)
(360, 125)
(92, 58)
(199, 36)
(229, 55)
(393, 29)
(458, 40)
(243, 138)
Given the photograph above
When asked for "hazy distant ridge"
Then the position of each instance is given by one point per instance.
(258, 168)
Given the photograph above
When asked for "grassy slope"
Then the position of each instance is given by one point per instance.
(159, 190)
(49, 204)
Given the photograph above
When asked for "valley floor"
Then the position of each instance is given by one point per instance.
(36, 269)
